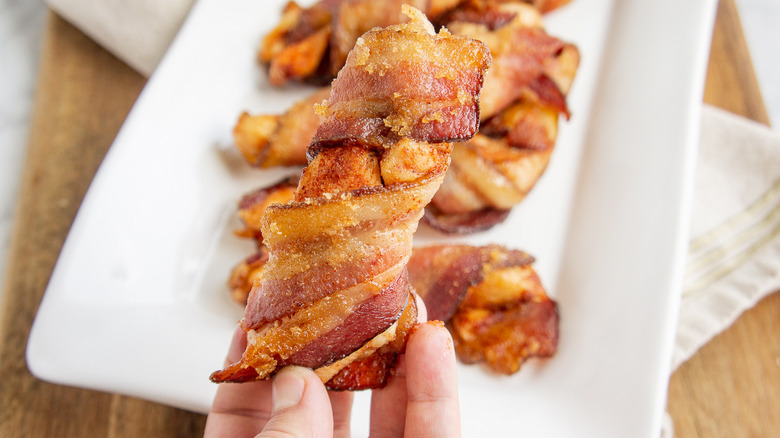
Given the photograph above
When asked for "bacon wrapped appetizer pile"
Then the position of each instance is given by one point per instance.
(523, 95)
(492, 300)
(333, 294)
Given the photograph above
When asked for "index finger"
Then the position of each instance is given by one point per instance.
(243, 409)
(431, 383)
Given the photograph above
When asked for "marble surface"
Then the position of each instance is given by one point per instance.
(21, 32)
(21, 28)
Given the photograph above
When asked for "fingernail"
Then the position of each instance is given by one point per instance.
(287, 390)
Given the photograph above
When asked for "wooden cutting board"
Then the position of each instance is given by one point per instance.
(729, 389)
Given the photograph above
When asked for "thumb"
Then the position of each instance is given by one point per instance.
(301, 407)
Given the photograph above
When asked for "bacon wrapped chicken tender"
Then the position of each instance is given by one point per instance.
(492, 300)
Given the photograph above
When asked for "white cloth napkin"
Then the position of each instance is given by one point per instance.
(734, 255)
(734, 252)
(138, 31)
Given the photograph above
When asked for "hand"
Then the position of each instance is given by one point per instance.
(420, 400)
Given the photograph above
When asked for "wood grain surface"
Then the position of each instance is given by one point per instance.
(731, 388)
(82, 98)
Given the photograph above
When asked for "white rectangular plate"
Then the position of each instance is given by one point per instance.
(137, 303)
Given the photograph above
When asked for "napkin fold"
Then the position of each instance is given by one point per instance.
(734, 253)
(138, 32)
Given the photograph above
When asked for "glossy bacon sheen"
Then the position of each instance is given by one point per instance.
(365, 320)
(334, 290)
(335, 276)
(251, 208)
(493, 301)
(372, 370)
(417, 97)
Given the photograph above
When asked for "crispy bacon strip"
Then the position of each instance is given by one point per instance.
(526, 60)
(494, 171)
(404, 104)
(493, 302)
(334, 294)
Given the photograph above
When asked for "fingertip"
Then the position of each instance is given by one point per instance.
(303, 383)
(301, 406)
(430, 359)
(432, 337)
(288, 386)
(237, 346)
(432, 383)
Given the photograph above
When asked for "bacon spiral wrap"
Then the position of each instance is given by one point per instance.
(334, 293)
